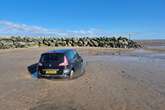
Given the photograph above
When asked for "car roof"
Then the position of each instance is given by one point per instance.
(59, 50)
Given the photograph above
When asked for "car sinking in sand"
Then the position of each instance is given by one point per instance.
(61, 63)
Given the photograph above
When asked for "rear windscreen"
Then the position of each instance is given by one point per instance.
(52, 57)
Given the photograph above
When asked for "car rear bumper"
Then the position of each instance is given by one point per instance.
(64, 74)
(54, 76)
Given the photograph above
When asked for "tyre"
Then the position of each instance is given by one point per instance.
(38, 75)
(71, 74)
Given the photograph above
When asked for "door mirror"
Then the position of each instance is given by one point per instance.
(80, 58)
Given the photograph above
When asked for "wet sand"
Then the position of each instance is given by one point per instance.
(115, 79)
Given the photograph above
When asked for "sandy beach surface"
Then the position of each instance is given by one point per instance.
(115, 79)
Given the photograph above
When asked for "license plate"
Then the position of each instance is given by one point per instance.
(50, 71)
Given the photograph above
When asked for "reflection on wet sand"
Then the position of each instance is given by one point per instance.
(115, 79)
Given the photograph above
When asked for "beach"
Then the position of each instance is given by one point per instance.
(114, 79)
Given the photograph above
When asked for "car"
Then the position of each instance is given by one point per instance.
(61, 63)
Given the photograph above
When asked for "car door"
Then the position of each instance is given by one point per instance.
(73, 60)
(79, 62)
(76, 61)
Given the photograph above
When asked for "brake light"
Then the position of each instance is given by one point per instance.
(65, 63)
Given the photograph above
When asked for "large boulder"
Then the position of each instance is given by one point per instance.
(7, 43)
(20, 44)
(94, 43)
(46, 42)
(80, 43)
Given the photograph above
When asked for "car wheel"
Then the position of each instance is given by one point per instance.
(38, 76)
(71, 74)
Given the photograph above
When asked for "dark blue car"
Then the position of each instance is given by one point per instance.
(62, 63)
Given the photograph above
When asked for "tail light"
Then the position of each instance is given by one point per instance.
(65, 63)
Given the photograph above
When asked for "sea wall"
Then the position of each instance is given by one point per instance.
(108, 42)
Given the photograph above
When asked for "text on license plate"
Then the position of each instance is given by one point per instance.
(50, 71)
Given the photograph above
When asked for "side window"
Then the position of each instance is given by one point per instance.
(68, 56)
(77, 54)
(74, 53)
(71, 55)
